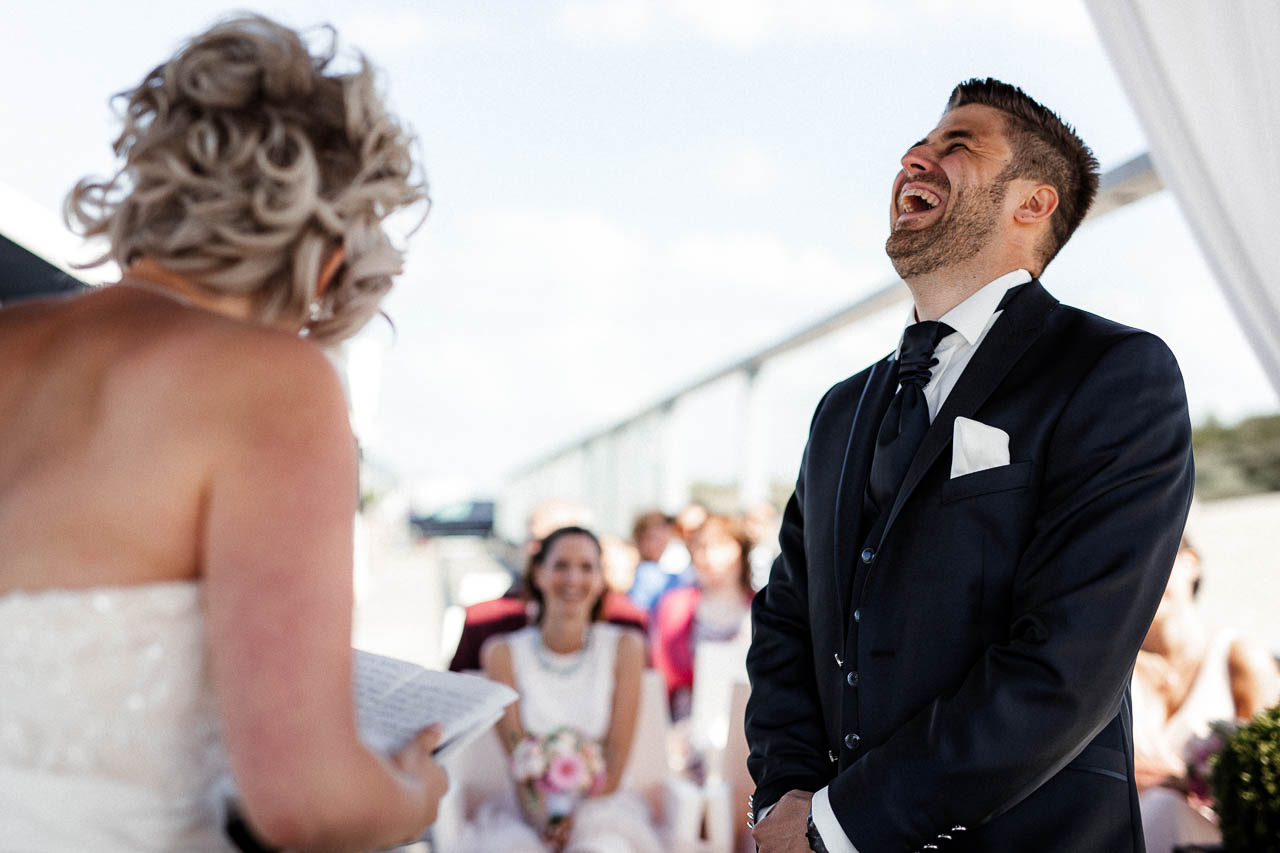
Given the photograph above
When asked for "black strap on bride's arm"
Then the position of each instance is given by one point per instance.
(242, 835)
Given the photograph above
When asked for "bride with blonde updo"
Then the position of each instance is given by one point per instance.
(250, 172)
(178, 474)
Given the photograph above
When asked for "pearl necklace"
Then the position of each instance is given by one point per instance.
(543, 655)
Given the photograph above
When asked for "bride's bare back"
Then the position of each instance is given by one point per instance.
(127, 412)
(176, 427)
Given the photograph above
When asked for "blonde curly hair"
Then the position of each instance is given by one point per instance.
(246, 164)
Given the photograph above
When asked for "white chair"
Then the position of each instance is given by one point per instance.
(479, 772)
(734, 768)
(717, 667)
(720, 691)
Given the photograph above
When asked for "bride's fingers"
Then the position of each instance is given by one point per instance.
(429, 738)
(416, 758)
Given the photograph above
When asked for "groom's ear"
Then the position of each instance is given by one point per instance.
(1036, 204)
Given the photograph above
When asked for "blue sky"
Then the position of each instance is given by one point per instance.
(629, 194)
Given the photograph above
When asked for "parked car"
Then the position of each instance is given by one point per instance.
(465, 518)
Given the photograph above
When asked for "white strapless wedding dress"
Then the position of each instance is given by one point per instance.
(109, 737)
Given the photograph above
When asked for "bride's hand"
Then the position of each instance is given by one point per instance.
(416, 760)
(557, 834)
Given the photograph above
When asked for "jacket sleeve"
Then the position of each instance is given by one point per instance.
(1114, 495)
(784, 721)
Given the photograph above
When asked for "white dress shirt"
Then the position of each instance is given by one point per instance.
(971, 319)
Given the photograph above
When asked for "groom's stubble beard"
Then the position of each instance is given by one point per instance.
(953, 239)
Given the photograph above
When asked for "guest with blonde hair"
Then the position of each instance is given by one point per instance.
(179, 473)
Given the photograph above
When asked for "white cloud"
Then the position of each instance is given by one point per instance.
(746, 171)
(607, 20)
(576, 248)
(1061, 20)
(749, 24)
(759, 264)
(738, 24)
(382, 32)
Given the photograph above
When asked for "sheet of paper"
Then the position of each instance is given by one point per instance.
(395, 699)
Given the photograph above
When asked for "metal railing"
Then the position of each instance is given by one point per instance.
(637, 463)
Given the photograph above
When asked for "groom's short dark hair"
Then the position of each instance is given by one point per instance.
(1045, 149)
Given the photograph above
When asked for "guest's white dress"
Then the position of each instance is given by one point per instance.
(1168, 820)
(109, 738)
(566, 690)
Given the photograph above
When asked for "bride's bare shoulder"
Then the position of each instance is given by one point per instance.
(171, 359)
(247, 374)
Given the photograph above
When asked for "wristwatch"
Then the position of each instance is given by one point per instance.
(814, 839)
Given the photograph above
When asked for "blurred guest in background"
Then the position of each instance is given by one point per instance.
(179, 476)
(676, 558)
(761, 523)
(653, 533)
(1185, 678)
(716, 608)
(514, 610)
(620, 559)
(571, 671)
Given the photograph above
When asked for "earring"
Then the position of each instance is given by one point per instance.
(317, 312)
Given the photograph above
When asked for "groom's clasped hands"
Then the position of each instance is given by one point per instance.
(782, 830)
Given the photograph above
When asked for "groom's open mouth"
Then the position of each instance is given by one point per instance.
(916, 203)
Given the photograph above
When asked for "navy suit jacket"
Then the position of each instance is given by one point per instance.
(964, 660)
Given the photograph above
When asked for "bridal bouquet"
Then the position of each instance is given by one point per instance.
(1201, 754)
(555, 771)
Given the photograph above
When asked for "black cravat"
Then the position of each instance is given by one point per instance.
(907, 418)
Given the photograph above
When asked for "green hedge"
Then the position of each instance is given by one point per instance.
(1246, 786)
(1238, 460)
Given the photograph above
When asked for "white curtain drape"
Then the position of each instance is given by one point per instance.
(1204, 79)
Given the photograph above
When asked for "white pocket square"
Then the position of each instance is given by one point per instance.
(976, 447)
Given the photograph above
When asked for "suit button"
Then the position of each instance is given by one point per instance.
(851, 741)
(852, 678)
(857, 615)
(868, 554)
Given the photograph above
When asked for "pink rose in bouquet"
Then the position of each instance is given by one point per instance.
(554, 772)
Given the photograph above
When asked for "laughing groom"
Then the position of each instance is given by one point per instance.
(980, 533)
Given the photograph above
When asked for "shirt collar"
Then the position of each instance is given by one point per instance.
(971, 316)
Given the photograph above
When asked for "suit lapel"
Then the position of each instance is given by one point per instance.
(1013, 333)
(881, 385)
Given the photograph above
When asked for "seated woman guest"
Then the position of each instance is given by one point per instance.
(717, 608)
(1185, 678)
(579, 677)
(179, 474)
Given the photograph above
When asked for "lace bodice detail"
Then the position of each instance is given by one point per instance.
(574, 689)
(109, 689)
